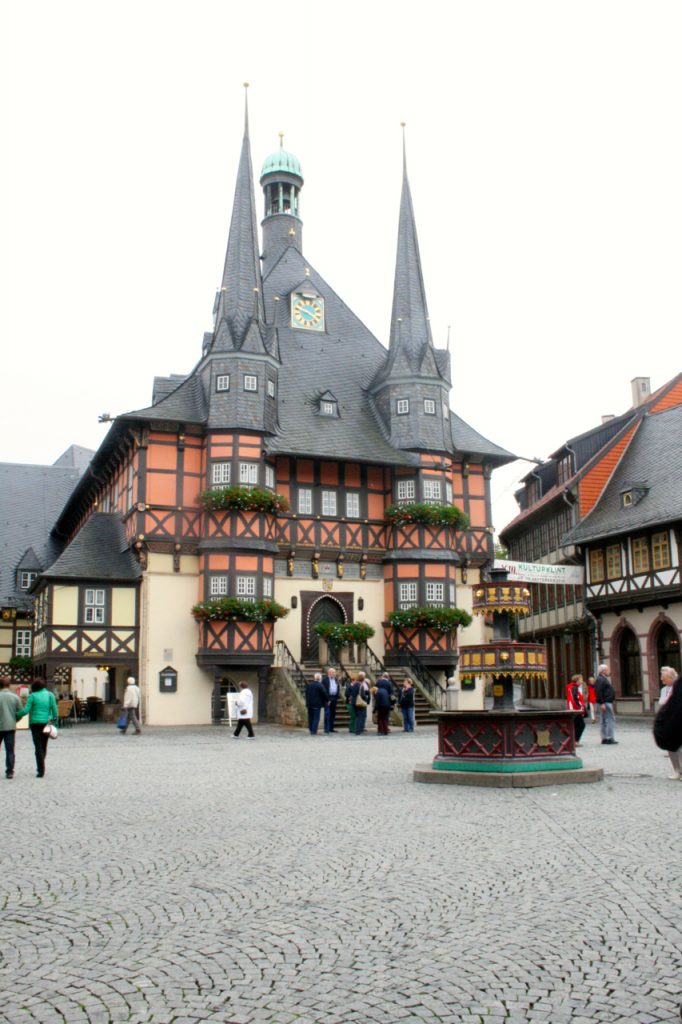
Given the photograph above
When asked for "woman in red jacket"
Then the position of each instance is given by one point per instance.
(576, 702)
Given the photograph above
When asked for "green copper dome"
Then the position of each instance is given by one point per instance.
(281, 160)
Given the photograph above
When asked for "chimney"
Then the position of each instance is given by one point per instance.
(641, 389)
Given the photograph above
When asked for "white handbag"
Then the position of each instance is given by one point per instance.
(51, 731)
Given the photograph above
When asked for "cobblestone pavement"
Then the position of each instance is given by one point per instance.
(183, 876)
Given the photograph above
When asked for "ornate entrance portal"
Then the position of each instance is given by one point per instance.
(317, 608)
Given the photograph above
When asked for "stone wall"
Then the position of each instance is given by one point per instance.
(285, 705)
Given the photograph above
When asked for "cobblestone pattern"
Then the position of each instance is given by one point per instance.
(183, 876)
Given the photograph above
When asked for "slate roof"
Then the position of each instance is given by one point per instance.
(31, 498)
(240, 300)
(163, 386)
(99, 551)
(410, 336)
(342, 360)
(651, 458)
(185, 404)
(469, 442)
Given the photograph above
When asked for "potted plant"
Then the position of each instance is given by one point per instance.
(224, 608)
(243, 499)
(343, 635)
(445, 620)
(427, 513)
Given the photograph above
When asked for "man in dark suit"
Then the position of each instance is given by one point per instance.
(331, 688)
(315, 700)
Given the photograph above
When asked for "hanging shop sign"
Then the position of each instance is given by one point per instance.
(538, 572)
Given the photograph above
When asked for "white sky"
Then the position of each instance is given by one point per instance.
(544, 155)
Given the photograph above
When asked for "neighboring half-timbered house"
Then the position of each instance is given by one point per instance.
(631, 541)
(31, 498)
(292, 396)
(569, 500)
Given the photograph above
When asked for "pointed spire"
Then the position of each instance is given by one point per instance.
(410, 327)
(241, 274)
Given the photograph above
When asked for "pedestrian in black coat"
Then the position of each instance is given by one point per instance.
(382, 704)
(315, 699)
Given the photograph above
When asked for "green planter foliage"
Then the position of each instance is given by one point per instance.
(428, 513)
(244, 499)
(444, 619)
(343, 633)
(21, 661)
(223, 608)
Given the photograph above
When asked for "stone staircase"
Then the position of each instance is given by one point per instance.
(422, 705)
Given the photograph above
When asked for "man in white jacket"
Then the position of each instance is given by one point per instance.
(131, 704)
(244, 704)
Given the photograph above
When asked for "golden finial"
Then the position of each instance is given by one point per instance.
(281, 140)
(246, 85)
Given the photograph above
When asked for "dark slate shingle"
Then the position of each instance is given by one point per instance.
(653, 458)
(31, 498)
(98, 551)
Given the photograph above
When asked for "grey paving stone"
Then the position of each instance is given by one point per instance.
(194, 880)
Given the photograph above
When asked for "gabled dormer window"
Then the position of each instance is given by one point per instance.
(327, 404)
(26, 580)
(633, 494)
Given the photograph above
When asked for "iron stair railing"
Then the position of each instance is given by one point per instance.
(286, 660)
(434, 690)
(374, 664)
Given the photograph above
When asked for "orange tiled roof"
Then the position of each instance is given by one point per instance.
(595, 479)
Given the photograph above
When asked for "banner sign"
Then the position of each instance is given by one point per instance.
(538, 572)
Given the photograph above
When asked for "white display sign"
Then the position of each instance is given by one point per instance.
(538, 572)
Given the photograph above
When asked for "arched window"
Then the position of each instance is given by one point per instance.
(668, 647)
(630, 664)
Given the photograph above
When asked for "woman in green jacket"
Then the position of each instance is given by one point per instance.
(41, 708)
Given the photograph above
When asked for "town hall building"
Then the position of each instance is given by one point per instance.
(215, 528)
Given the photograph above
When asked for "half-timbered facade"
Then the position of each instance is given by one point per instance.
(292, 395)
(31, 498)
(563, 502)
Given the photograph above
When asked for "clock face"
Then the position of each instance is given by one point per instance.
(307, 312)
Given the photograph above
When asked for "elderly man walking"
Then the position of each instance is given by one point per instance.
(606, 695)
(131, 705)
